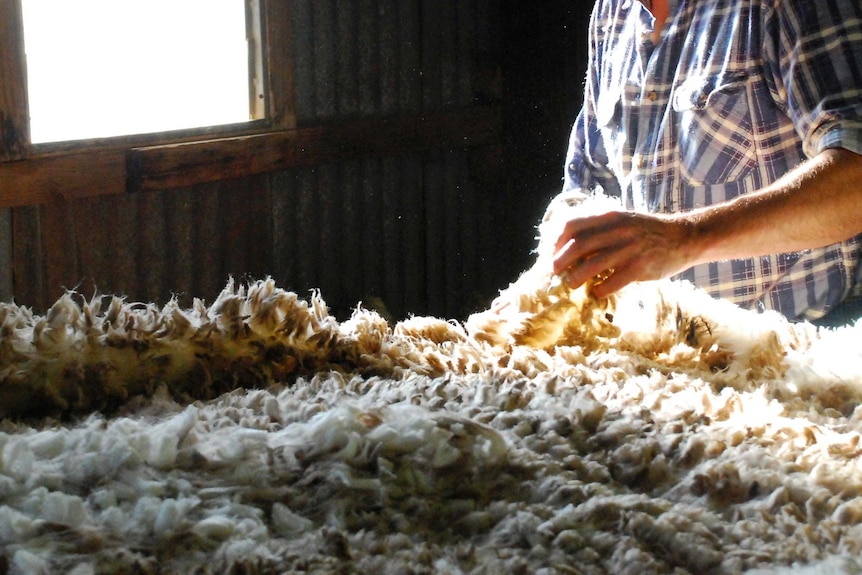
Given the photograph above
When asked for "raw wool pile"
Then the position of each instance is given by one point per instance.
(722, 442)
(657, 432)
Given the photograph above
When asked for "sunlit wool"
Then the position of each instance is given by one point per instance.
(659, 431)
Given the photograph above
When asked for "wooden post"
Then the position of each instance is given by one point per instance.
(14, 116)
(279, 61)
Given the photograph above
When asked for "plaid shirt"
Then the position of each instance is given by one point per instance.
(735, 94)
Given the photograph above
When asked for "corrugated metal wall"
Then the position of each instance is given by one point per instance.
(378, 57)
(415, 231)
(409, 231)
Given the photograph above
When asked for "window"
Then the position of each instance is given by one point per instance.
(101, 68)
(37, 166)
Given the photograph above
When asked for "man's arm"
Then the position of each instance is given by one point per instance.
(815, 205)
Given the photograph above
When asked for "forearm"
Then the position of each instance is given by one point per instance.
(817, 204)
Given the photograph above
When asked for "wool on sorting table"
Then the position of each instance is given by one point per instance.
(658, 431)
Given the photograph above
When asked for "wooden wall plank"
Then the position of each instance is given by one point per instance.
(181, 260)
(122, 243)
(388, 66)
(447, 60)
(465, 52)
(307, 243)
(410, 56)
(28, 254)
(349, 191)
(347, 59)
(368, 57)
(154, 249)
(372, 235)
(324, 62)
(58, 239)
(435, 230)
(256, 205)
(451, 195)
(210, 278)
(88, 242)
(432, 50)
(413, 236)
(331, 266)
(393, 236)
(234, 228)
(6, 259)
(284, 225)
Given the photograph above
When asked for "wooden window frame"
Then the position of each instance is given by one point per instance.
(40, 174)
(33, 174)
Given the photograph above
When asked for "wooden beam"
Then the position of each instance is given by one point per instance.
(85, 173)
(75, 175)
(178, 165)
(14, 122)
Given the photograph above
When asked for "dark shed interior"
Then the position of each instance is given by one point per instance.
(440, 128)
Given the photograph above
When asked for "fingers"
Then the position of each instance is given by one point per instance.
(592, 246)
(587, 255)
(585, 227)
(585, 238)
(584, 270)
(619, 279)
(620, 263)
(635, 247)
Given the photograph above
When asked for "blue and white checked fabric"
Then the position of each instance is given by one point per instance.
(735, 94)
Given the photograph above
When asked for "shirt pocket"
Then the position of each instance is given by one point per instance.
(609, 121)
(716, 134)
(609, 108)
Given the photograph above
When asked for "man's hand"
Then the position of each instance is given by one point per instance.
(622, 247)
(814, 205)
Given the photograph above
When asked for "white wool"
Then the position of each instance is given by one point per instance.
(25, 562)
(171, 515)
(17, 459)
(216, 528)
(287, 522)
(83, 569)
(114, 519)
(16, 526)
(157, 445)
(832, 355)
(48, 444)
(657, 432)
(63, 509)
(840, 565)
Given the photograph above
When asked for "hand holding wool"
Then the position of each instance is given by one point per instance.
(620, 248)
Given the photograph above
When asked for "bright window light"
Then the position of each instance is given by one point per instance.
(101, 68)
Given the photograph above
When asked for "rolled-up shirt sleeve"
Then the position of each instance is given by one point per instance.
(814, 52)
(845, 134)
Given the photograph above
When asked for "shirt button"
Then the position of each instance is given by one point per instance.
(651, 96)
